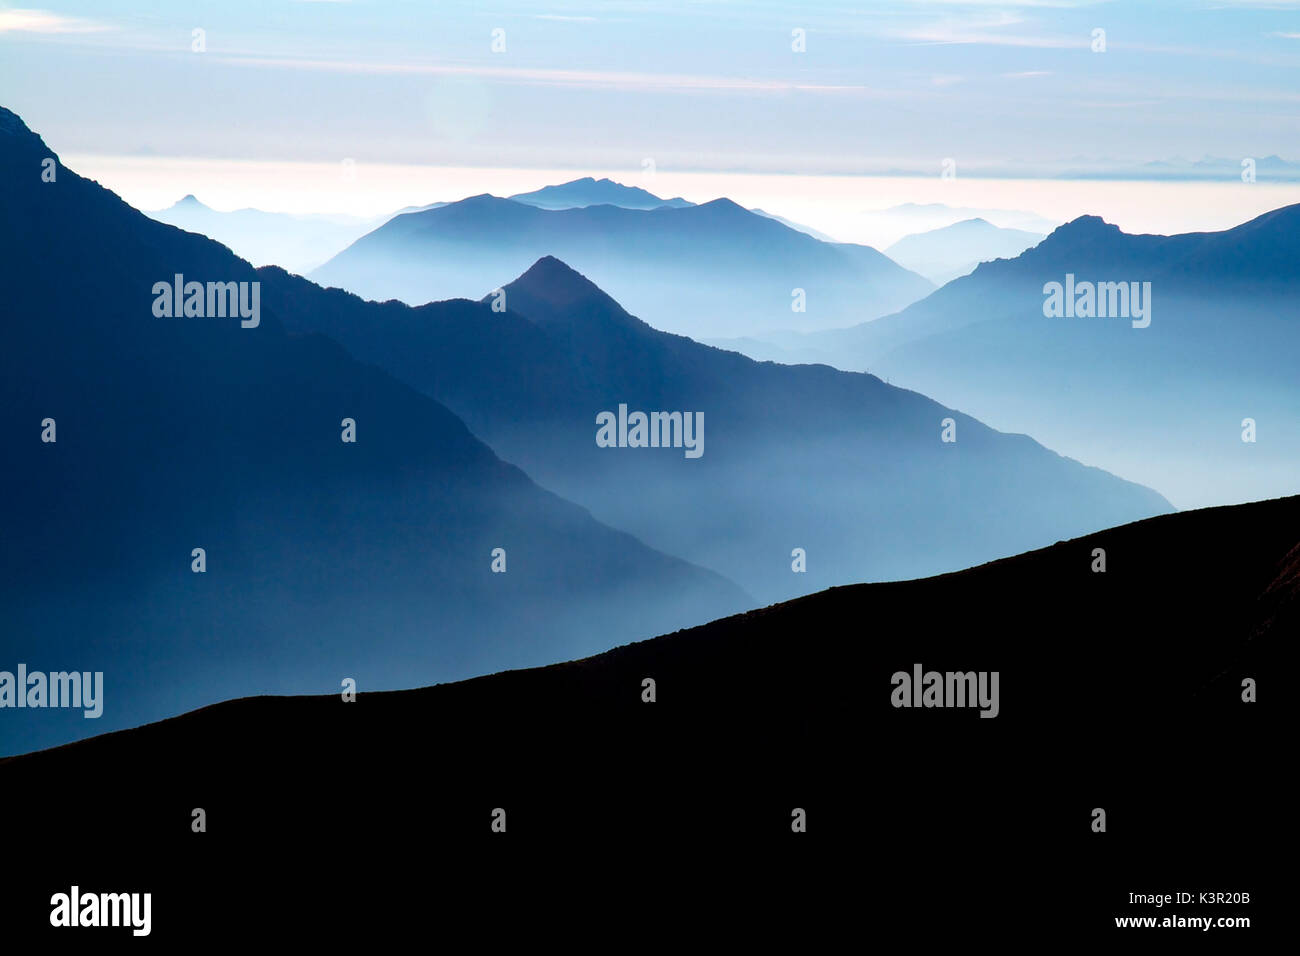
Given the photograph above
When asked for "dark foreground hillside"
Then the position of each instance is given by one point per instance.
(1119, 690)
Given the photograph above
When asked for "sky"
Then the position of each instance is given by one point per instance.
(711, 93)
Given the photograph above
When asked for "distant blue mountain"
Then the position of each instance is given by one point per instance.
(605, 192)
(298, 243)
(595, 192)
(848, 469)
(324, 559)
(1162, 404)
(1208, 169)
(951, 251)
(711, 269)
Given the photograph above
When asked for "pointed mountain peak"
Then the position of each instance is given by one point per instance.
(730, 213)
(1088, 226)
(1083, 230)
(556, 283)
(549, 267)
(552, 293)
(723, 204)
(190, 201)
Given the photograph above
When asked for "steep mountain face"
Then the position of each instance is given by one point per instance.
(753, 717)
(942, 255)
(323, 559)
(853, 472)
(1164, 403)
(729, 271)
(595, 192)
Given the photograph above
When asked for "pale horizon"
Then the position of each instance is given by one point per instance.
(847, 208)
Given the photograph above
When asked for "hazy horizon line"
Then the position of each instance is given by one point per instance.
(850, 208)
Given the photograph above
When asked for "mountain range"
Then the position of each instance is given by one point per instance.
(948, 252)
(1208, 168)
(234, 508)
(587, 191)
(180, 433)
(848, 469)
(322, 559)
(730, 271)
(888, 226)
(298, 243)
(1166, 404)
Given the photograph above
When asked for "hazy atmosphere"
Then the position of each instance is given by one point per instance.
(575, 445)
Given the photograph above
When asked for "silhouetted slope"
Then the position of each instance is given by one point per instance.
(369, 560)
(1162, 405)
(711, 269)
(841, 465)
(1119, 689)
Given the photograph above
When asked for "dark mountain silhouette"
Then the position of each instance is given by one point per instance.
(944, 254)
(1116, 691)
(728, 271)
(324, 560)
(595, 192)
(1162, 404)
(841, 465)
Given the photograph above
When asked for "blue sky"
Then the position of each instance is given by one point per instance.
(705, 85)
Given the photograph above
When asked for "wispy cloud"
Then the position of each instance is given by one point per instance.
(1256, 5)
(609, 79)
(1118, 104)
(43, 21)
(990, 4)
(990, 29)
